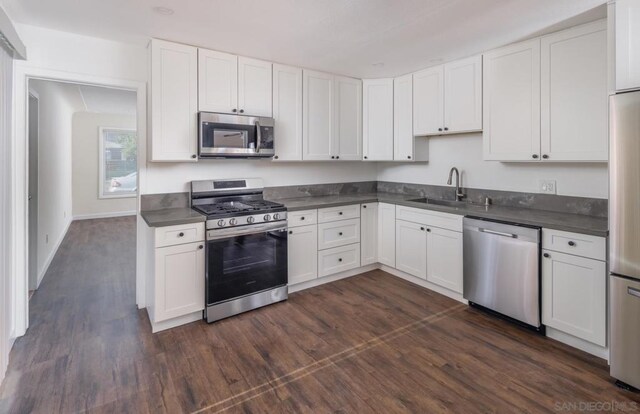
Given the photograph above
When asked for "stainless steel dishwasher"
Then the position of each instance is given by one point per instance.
(502, 268)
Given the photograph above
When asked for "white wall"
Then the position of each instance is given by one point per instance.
(465, 153)
(54, 170)
(86, 202)
(174, 177)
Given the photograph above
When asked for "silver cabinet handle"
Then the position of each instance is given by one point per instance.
(499, 233)
(258, 136)
(633, 292)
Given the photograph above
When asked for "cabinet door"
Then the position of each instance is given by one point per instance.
(174, 101)
(627, 40)
(444, 258)
(574, 100)
(428, 101)
(378, 119)
(317, 116)
(463, 95)
(403, 147)
(387, 234)
(511, 103)
(254, 87)
(368, 233)
(411, 248)
(287, 112)
(217, 81)
(303, 254)
(347, 136)
(574, 291)
(179, 276)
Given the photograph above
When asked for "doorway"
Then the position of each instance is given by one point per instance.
(33, 124)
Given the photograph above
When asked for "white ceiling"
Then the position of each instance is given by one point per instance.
(362, 38)
(95, 99)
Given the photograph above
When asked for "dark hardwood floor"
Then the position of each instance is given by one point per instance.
(370, 343)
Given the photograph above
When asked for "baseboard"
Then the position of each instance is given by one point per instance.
(578, 343)
(425, 284)
(328, 279)
(47, 263)
(172, 323)
(104, 215)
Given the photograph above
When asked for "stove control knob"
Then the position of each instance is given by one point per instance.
(233, 222)
(250, 219)
(276, 216)
(221, 223)
(267, 217)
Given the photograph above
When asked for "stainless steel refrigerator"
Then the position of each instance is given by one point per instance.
(624, 238)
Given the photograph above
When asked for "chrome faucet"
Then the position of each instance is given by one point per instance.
(459, 194)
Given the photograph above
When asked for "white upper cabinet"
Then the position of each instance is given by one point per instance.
(317, 116)
(347, 136)
(287, 112)
(447, 99)
(378, 119)
(254, 87)
(511, 102)
(217, 81)
(463, 95)
(428, 101)
(574, 95)
(403, 140)
(174, 102)
(235, 85)
(627, 44)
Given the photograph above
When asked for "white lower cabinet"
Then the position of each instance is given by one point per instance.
(303, 253)
(411, 248)
(444, 253)
(368, 233)
(338, 259)
(574, 293)
(387, 234)
(179, 274)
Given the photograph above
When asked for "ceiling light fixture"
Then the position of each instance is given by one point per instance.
(163, 10)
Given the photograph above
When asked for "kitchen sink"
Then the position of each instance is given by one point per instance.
(446, 203)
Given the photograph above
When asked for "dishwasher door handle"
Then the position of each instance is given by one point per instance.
(499, 233)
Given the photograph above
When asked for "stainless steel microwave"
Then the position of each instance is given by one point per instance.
(235, 136)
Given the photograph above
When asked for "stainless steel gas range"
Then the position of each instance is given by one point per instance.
(246, 249)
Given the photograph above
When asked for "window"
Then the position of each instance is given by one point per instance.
(118, 163)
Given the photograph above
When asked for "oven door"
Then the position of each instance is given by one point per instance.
(245, 261)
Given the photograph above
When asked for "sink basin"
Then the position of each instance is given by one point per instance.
(446, 203)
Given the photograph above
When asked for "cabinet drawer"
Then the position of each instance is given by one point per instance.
(338, 259)
(179, 234)
(584, 245)
(302, 218)
(326, 215)
(430, 218)
(338, 233)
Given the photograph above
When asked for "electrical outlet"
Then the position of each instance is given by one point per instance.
(548, 186)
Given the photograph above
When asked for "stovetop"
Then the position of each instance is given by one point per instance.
(232, 208)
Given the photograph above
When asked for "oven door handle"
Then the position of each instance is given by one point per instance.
(241, 231)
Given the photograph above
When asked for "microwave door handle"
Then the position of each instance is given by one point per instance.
(258, 136)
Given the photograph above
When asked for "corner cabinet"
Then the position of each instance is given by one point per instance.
(627, 44)
(405, 146)
(174, 102)
(287, 112)
(387, 234)
(175, 282)
(378, 119)
(368, 233)
(447, 99)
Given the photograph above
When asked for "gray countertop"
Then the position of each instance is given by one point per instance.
(597, 226)
(171, 217)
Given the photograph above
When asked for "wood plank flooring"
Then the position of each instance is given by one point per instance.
(370, 343)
